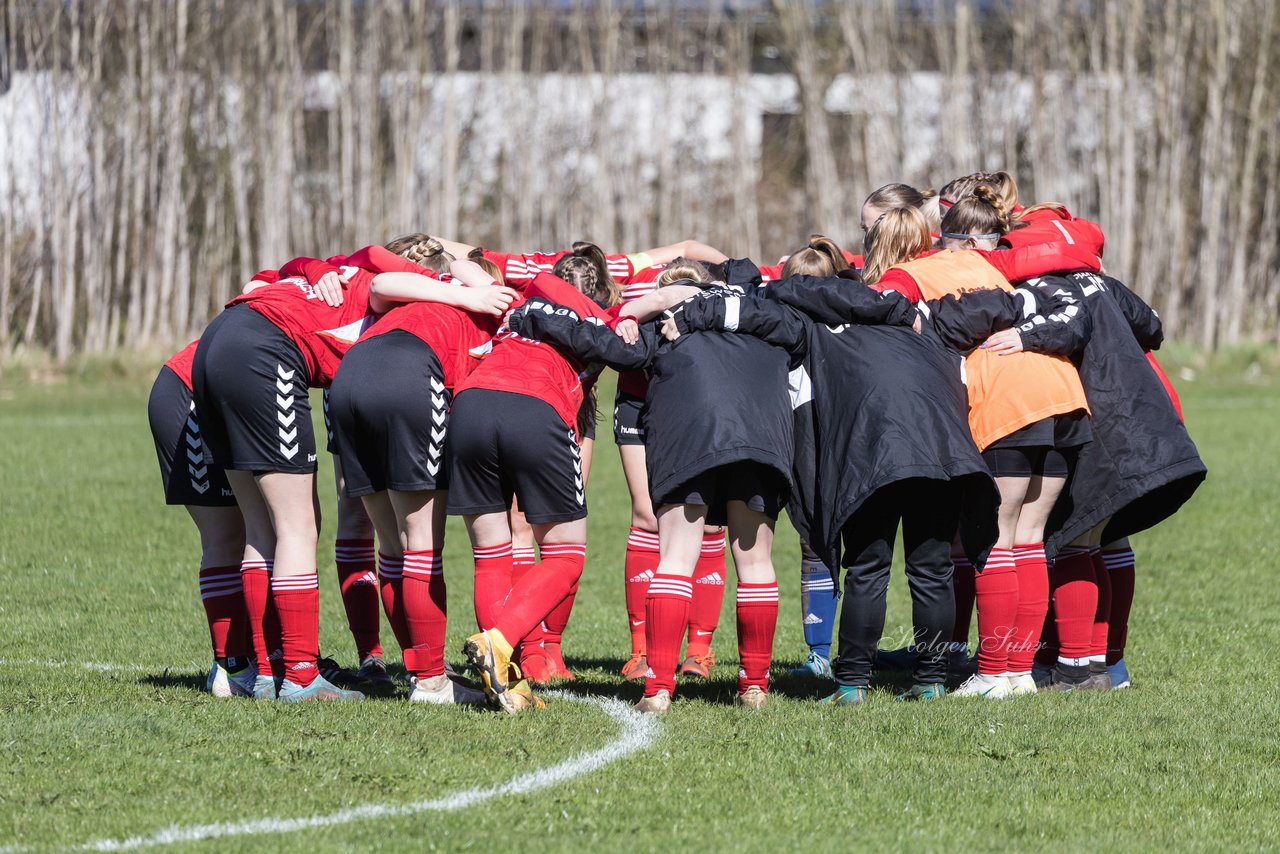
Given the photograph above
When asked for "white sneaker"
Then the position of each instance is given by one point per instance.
(443, 691)
(982, 685)
(1021, 684)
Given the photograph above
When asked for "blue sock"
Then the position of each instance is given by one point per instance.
(818, 605)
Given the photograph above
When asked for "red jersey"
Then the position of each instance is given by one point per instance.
(1057, 226)
(1015, 265)
(180, 362)
(450, 332)
(521, 268)
(323, 333)
(535, 369)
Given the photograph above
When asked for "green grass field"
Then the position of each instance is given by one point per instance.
(106, 735)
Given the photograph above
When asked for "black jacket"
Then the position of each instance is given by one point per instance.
(715, 398)
(874, 403)
(1141, 465)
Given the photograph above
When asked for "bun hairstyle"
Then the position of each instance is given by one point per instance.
(477, 255)
(900, 234)
(423, 250)
(587, 269)
(1002, 182)
(683, 270)
(984, 210)
(892, 196)
(822, 257)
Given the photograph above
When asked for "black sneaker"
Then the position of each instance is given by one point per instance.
(372, 677)
(1065, 678)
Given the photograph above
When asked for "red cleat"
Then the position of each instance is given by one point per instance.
(636, 667)
(555, 662)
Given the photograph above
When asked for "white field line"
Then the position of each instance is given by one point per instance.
(90, 665)
(636, 732)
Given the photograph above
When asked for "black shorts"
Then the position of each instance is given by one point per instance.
(1059, 431)
(188, 477)
(330, 443)
(758, 486)
(390, 413)
(505, 443)
(1031, 461)
(628, 419)
(250, 384)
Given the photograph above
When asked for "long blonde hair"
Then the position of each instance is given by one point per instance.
(900, 234)
(822, 257)
(423, 250)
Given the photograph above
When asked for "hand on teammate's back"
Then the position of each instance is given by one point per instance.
(493, 299)
(329, 289)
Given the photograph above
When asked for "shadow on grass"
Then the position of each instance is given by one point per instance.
(172, 679)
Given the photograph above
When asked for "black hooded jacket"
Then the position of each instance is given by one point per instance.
(1141, 465)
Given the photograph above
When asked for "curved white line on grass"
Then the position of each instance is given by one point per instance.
(637, 732)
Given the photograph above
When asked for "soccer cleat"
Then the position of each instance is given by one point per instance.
(372, 677)
(754, 697)
(848, 695)
(216, 682)
(1041, 673)
(319, 689)
(1064, 681)
(1099, 677)
(1119, 675)
(443, 691)
(636, 667)
(521, 698)
(903, 658)
(814, 667)
(699, 666)
(494, 667)
(555, 663)
(536, 667)
(983, 685)
(924, 691)
(242, 681)
(264, 687)
(1021, 685)
(336, 674)
(658, 704)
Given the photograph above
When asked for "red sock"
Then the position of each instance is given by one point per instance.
(554, 625)
(1120, 566)
(666, 616)
(222, 593)
(494, 571)
(962, 587)
(523, 560)
(358, 581)
(1033, 604)
(757, 620)
(1101, 616)
(255, 580)
(541, 590)
(1075, 602)
(640, 564)
(297, 600)
(425, 607)
(996, 589)
(391, 587)
(708, 594)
